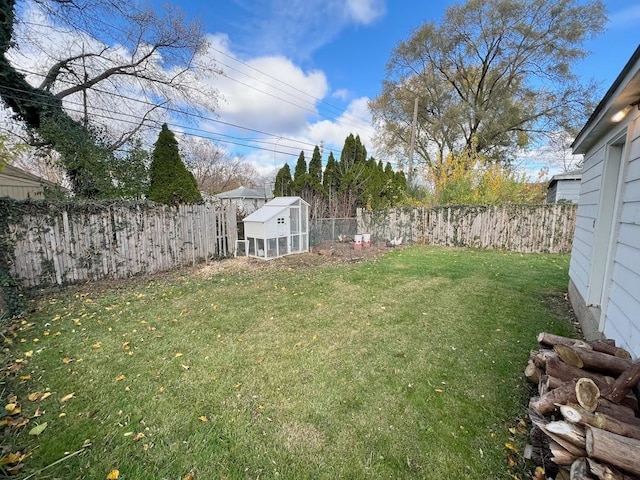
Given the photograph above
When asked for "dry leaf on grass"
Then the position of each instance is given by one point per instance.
(113, 474)
(68, 397)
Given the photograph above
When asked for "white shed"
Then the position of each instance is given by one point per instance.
(604, 272)
(564, 187)
(280, 227)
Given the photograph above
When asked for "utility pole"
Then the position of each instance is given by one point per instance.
(413, 143)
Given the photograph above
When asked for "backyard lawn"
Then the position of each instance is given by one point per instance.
(408, 365)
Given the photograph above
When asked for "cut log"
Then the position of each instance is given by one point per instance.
(553, 382)
(568, 431)
(532, 372)
(606, 472)
(549, 340)
(559, 455)
(624, 383)
(619, 451)
(587, 394)
(543, 385)
(540, 357)
(605, 347)
(555, 367)
(621, 412)
(578, 415)
(580, 470)
(568, 355)
(547, 403)
(592, 360)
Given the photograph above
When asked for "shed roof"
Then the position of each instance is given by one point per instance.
(15, 172)
(241, 192)
(572, 175)
(625, 91)
(273, 208)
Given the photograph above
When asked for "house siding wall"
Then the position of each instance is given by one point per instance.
(581, 252)
(621, 315)
(19, 188)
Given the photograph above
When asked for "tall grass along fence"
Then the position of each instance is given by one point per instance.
(519, 228)
(76, 242)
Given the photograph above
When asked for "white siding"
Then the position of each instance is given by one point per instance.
(622, 320)
(567, 190)
(253, 230)
(581, 253)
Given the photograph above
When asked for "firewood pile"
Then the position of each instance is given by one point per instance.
(585, 416)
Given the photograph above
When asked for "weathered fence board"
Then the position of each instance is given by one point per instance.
(519, 228)
(67, 245)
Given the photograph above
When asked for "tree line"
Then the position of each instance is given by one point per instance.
(345, 184)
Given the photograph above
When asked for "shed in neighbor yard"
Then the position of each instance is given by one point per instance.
(564, 187)
(280, 227)
(604, 273)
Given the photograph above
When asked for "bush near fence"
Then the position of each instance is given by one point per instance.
(544, 228)
(60, 243)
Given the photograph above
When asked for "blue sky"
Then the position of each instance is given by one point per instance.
(346, 44)
(299, 73)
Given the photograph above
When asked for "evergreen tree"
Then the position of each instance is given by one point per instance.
(315, 169)
(300, 175)
(283, 182)
(330, 177)
(170, 181)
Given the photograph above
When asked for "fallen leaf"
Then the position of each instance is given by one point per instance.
(113, 475)
(10, 407)
(439, 390)
(177, 355)
(67, 360)
(511, 447)
(161, 390)
(191, 475)
(28, 354)
(38, 429)
(203, 418)
(68, 397)
(126, 346)
(96, 345)
(186, 367)
(34, 396)
(121, 377)
(45, 395)
(11, 458)
(138, 436)
(25, 377)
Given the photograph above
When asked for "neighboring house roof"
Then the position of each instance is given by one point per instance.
(241, 192)
(273, 208)
(624, 92)
(15, 172)
(572, 175)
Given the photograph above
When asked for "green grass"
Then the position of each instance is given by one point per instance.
(406, 366)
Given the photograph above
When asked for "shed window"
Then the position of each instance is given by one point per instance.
(280, 221)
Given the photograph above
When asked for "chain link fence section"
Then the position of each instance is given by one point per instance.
(322, 230)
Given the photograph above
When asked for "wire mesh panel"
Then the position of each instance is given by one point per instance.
(322, 230)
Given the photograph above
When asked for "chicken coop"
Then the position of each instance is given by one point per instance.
(280, 227)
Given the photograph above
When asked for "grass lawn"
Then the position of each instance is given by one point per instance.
(406, 366)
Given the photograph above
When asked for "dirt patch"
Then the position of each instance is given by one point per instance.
(320, 255)
(302, 436)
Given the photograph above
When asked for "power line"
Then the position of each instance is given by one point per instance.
(361, 123)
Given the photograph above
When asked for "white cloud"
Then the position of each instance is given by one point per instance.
(297, 28)
(341, 94)
(365, 11)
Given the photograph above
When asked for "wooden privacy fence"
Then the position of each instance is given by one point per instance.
(518, 228)
(59, 244)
